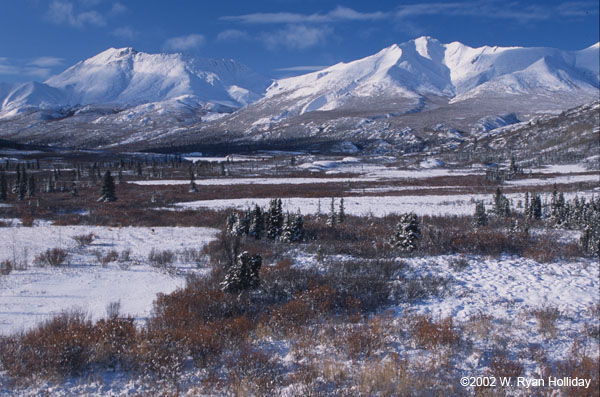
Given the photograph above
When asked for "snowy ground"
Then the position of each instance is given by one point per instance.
(36, 293)
(456, 204)
(509, 289)
(557, 180)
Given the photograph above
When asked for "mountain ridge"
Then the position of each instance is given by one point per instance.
(408, 95)
(125, 77)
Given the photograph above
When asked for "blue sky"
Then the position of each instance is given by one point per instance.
(277, 38)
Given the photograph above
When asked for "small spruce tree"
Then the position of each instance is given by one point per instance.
(193, 188)
(3, 187)
(257, 223)
(244, 274)
(341, 215)
(407, 233)
(274, 219)
(332, 218)
(107, 191)
(31, 186)
(480, 217)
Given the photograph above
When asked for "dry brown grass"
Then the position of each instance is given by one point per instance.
(431, 334)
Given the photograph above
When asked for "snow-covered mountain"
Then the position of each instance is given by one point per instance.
(425, 67)
(410, 96)
(127, 78)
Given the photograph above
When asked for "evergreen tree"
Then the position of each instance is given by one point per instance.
(256, 223)
(480, 217)
(138, 168)
(286, 230)
(274, 219)
(297, 228)
(242, 224)
(232, 219)
(193, 188)
(332, 218)
(407, 233)
(502, 205)
(22, 184)
(319, 208)
(3, 187)
(17, 180)
(535, 206)
(31, 186)
(244, 274)
(107, 192)
(341, 215)
(120, 177)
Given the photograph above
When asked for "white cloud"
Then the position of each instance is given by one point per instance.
(118, 8)
(90, 3)
(232, 34)
(296, 37)
(125, 32)
(10, 67)
(62, 12)
(338, 14)
(40, 73)
(495, 9)
(184, 43)
(45, 62)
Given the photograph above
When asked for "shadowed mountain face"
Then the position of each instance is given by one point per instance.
(408, 96)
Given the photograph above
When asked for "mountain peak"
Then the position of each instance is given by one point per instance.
(125, 76)
(112, 54)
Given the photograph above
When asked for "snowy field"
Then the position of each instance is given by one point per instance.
(565, 179)
(453, 204)
(37, 293)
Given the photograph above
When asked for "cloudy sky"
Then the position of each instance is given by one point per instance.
(275, 37)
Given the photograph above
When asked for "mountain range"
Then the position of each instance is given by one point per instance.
(405, 95)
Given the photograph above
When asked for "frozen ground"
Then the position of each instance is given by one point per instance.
(36, 293)
(455, 204)
(557, 180)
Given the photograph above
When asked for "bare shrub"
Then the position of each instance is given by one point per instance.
(115, 342)
(579, 364)
(458, 264)
(113, 309)
(110, 256)
(252, 371)
(60, 346)
(388, 377)
(546, 318)
(429, 333)
(366, 339)
(6, 267)
(125, 255)
(502, 366)
(160, 353)
(84, 239)
(52, 257)
(161, 259)
(191, 255)
(27, 220)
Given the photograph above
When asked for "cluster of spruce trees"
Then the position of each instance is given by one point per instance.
(24, 185)
(576, 214)
(272, 223)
